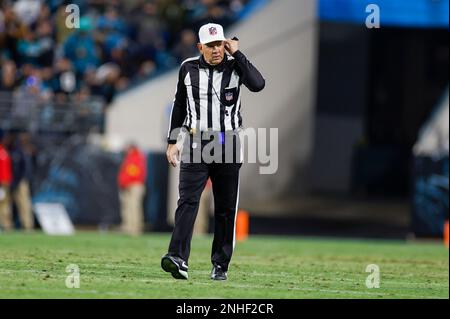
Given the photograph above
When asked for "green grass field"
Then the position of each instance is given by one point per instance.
(117, 266)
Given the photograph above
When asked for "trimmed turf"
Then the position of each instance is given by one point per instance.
(117, 266)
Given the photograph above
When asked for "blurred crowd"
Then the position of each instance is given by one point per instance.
(117, 44)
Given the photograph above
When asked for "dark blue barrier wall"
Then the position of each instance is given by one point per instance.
(156, 197)
(83, 178)
(430, 196)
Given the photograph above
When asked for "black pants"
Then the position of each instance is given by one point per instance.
(225, 182)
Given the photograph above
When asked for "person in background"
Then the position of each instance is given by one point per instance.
(5, 182)
(8, 83)
(30, 155)
(8, 77)
(187, 47)
(81, 49)
(20, 185)
(132, 176)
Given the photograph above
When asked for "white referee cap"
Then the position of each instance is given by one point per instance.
(211, 32)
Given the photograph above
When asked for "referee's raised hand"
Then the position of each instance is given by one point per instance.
(232, 45)
(173, 154)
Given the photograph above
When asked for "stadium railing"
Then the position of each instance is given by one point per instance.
(21, 111)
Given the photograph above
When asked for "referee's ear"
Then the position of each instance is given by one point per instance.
(200, 48)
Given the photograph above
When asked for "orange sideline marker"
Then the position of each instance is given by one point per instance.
(242, 223)
(446, 233)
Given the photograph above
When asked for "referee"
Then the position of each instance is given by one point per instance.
(204, 122)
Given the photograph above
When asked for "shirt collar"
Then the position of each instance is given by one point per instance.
(218, 67)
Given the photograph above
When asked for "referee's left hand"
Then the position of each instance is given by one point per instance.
(173, 154)
(231, 46)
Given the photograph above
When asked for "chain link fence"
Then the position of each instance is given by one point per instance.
(26, 111)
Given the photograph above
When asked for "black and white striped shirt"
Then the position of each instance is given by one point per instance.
(208, 98)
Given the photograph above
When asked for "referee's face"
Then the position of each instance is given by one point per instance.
(213, 52)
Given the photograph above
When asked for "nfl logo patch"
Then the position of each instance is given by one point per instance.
(212, 31)
(229, 96)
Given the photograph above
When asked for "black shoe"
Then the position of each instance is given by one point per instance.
(218, 273)
(176, 266)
